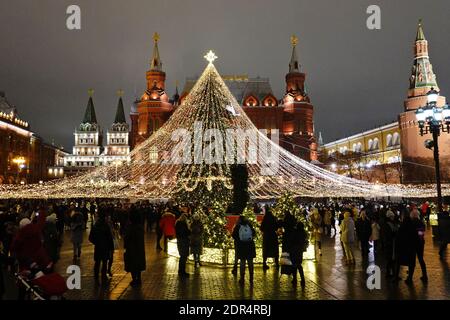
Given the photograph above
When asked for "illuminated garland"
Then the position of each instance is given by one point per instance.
(211, 102)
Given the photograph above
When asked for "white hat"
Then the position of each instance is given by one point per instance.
(24, 222)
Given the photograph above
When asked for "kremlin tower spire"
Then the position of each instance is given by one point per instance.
(294, 66)
(155, 63)
(118, 136)
(298, 124)
(120, 114)
(153, 108)
(422, 77)
(89, 114)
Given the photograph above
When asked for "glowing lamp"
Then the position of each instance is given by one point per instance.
(432, 96)
(446, 113)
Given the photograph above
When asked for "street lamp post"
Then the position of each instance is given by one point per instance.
(434, 120)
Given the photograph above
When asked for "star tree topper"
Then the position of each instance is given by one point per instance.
(210, 56)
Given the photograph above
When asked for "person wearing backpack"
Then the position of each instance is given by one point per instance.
(243, 234)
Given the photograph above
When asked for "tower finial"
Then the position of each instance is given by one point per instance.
(90, 92)
(420, 35)
(156, 37)
(294, 40)
(210, 56)
(155, 62)
(120, 93)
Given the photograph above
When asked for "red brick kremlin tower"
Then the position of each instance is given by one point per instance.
(298, 123)
(418, 164)
(292, 115)
(153, 108)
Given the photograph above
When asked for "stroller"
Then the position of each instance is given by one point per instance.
(36, 283)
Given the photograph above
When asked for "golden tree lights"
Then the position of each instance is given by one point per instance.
(151, 172)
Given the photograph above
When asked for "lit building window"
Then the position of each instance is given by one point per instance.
(375, 144)
(396, 139)
(389, 140)
(370, 144)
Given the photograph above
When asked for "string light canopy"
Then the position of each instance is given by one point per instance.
(186, 153)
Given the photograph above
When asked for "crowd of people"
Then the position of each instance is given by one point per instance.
(33, 232)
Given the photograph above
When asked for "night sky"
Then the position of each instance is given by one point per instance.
(357, 78)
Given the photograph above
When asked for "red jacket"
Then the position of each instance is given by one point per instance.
(167, 224)
(27, 244)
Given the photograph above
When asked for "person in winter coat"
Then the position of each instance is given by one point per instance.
(419, 228)
(27, 246)
(167, 225)
(296, 243)
(269, 227)
(363, 231)
(196, 238)
(405, 246)
(159, 232)
(389, 234)
(444, 231)
(116, 236)
(102, 239)
(327, 221)
(3, 262)
(316, 220)
(348, 236)
(51, 238)
(244, 234)
(76, 227)
(134, 256)
(375, 234)
(183, 233)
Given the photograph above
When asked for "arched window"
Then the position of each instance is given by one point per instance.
(355, 147)
(389, 140)
(251, 101)
(269, 101)
(396, 139)
(359, 147)
(370, 145)
(376, 144)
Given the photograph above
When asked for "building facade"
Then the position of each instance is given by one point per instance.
(24, 156)
(395, 153)
(292, 114)
(88, 151)
(373, 155)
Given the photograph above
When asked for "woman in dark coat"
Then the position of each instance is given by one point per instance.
(134, 255)
(389, 234)
(295, 245)
(405, 245)
(269, 227)
(363, 231)
(245, 248)
(196, 239)
(101, 237)
(182, 233)
(51, 238)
